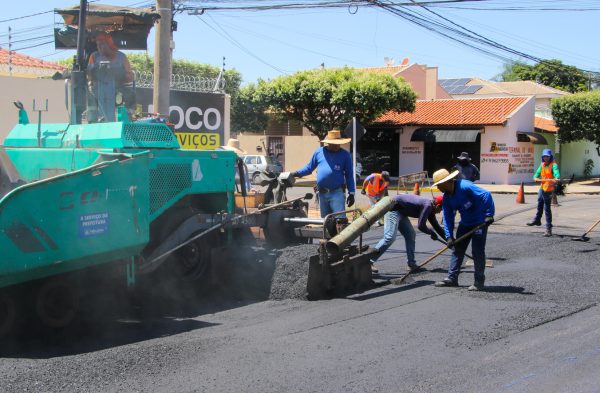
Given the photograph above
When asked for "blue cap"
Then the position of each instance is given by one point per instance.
(547, 152)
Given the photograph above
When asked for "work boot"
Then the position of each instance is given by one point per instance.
(446, 282)
(534, 222)
(548, 232)
(476, 287)
(413, 268)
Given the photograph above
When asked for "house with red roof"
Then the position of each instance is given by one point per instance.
(19, 65)
(498, 134)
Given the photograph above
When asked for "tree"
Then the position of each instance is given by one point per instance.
(249, 112)
(578, 117)
(328, 98)
(551, 73)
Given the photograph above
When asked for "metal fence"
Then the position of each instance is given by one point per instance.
(183, 82)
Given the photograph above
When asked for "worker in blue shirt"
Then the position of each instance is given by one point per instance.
(476, 206)
(334, 172)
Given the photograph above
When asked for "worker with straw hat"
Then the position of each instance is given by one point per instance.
(476, 207)
(334, 173)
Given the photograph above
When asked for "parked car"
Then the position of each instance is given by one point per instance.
(259, 163)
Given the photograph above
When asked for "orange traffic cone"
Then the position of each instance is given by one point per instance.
(417, 189)
(521, 194)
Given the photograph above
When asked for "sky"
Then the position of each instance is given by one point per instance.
(267, 44)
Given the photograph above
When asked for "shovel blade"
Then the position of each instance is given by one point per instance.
(581, 239)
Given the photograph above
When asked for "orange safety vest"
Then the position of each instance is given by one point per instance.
(377, 186)
(546, 173)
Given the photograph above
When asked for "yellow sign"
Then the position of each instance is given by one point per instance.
(198, 140)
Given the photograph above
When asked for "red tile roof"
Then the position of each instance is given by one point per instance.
(544, 124)
(21, 60)
(482, 111)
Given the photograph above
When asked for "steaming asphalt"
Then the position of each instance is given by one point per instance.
(535, 329)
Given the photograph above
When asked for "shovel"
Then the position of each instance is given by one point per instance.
(471, 261)
(584, 237)
(437, 254)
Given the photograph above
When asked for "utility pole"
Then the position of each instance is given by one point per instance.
(78, 78)
(9, 52)
(162, 56)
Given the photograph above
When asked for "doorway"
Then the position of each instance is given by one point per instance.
(443, 154)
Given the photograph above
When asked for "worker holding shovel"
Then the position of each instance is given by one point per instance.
(405, 206)
(476, 208)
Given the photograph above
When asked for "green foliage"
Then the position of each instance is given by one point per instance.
(328, 98)
(551, 73)
(249, 112)
(578, 117)
(588, 166)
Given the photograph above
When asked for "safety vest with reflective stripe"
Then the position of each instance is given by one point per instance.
(377, 186)
(547, 173)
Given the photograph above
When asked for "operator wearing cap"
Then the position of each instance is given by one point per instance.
(108, 72)
(476, 207)
(334, 172)
(405, 206)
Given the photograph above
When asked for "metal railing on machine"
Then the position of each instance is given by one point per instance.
(183, 82)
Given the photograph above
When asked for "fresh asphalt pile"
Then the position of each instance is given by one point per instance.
(291, 272)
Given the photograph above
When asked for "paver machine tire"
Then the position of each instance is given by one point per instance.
(8, 313)
(57, 302)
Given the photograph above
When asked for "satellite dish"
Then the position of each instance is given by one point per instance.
(405, 61)
(389, 61)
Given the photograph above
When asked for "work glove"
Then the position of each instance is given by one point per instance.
(489, 220)
(363, 192)
(295, 174)
(350, 200)
(450, 242)
(434, 236)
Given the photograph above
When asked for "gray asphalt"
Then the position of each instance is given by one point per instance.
(533, 330)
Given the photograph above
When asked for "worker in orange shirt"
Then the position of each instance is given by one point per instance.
(375, 187)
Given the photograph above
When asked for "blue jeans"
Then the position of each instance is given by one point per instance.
(544, 205)
(331, 202)
(394, 221)
(458, 254)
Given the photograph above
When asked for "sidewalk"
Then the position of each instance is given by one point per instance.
(589, 187)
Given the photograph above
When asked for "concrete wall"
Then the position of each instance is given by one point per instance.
(411, 153)
(26, 90)
(298, 149)
(573, 157)
(503, 159)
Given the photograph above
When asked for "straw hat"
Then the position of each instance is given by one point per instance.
(234, 145)
(442, 176)
(334, 137)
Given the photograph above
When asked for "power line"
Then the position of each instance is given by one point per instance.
(229, 38)
(25, 16)
(33, 46)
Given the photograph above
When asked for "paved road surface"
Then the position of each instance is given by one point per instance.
(534, 330)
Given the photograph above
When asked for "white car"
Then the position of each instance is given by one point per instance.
(259, 163)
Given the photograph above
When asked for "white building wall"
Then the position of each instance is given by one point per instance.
(503, 159)
(411, 153)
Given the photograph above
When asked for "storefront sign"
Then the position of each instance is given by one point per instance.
(521, 160)
(198, 118)
(411, 150)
